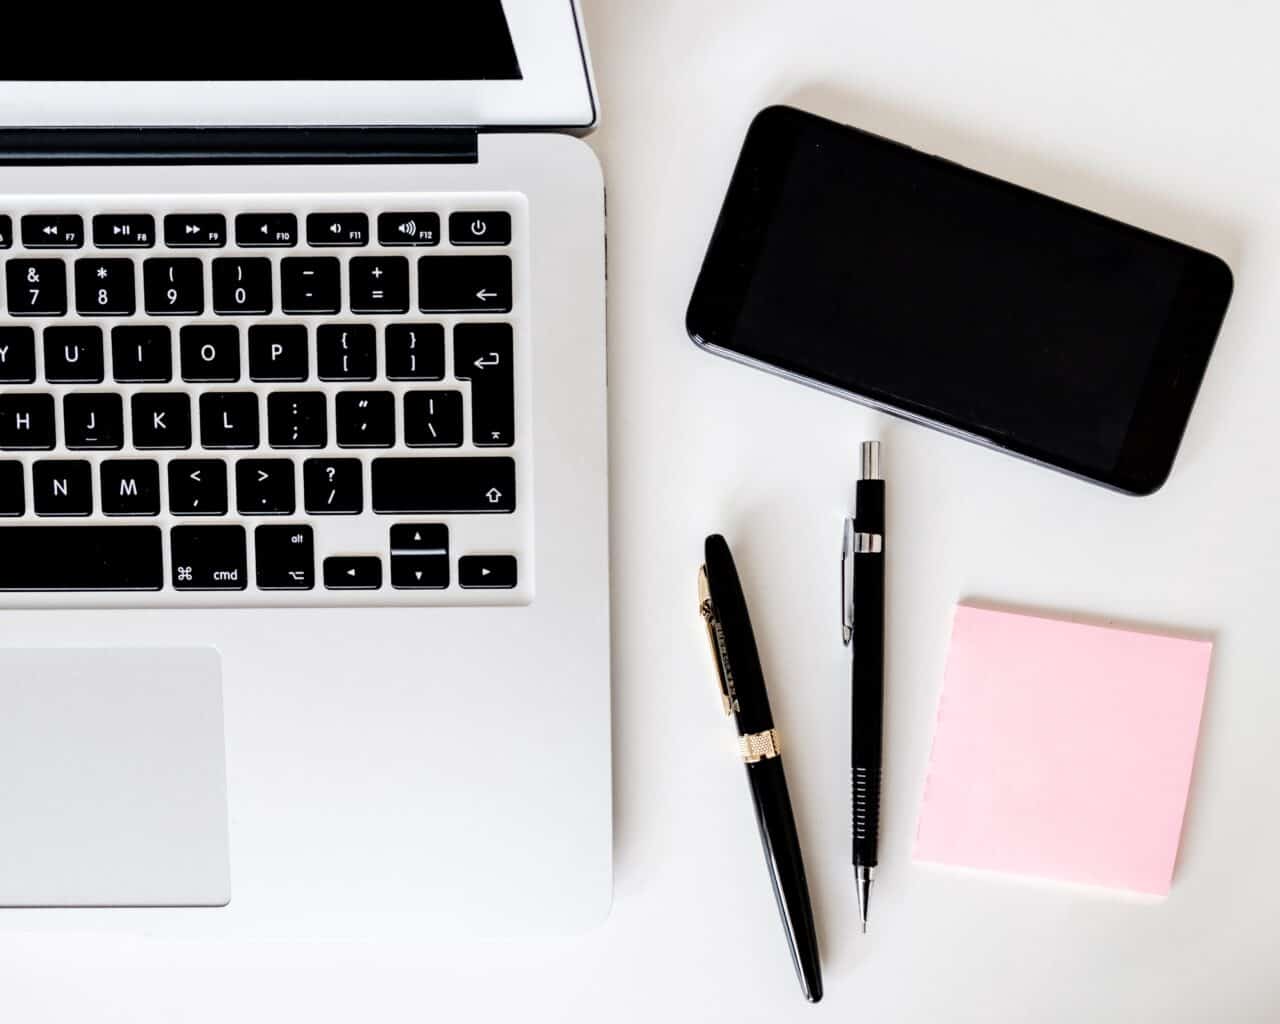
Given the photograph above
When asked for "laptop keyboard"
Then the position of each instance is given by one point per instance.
(264, 400)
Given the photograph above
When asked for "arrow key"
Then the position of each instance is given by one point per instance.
(487, 572)
(419, 572)
(346, 573)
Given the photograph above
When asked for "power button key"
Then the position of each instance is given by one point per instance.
(480, 227)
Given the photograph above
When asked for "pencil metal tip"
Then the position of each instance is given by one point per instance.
(864, 875)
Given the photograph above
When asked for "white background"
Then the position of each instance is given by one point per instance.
(1164, 114)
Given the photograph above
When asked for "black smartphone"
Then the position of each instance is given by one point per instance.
(957, 300)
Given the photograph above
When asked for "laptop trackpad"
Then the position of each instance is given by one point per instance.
(112, 778)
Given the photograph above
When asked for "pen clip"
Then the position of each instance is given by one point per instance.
(846, 581)
(715, 634)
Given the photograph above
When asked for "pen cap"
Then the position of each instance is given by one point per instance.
(745, 679)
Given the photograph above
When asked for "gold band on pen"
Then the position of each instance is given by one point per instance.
(757, 746)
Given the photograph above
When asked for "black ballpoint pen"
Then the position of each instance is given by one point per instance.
(862, 593)
(742, 693)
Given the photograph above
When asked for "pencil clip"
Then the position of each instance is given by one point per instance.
(846, 581)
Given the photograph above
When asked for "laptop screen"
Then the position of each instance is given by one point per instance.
(443, 40)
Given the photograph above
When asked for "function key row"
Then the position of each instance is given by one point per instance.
(256, 230)
(213, 558)
(246, 286)
(263, 487)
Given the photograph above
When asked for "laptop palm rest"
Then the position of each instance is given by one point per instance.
(112, 778)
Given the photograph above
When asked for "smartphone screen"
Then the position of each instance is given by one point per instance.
(960, 300)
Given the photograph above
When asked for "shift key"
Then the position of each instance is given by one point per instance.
(438, 485)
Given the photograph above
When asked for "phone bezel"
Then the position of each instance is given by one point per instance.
(1163, 406)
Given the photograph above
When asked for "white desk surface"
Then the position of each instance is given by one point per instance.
(1164, 114)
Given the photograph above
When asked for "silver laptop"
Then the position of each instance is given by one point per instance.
(304, 608)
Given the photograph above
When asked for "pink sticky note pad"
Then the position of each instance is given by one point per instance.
(1063, 751)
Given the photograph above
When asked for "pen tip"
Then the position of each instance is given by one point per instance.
(864, 927)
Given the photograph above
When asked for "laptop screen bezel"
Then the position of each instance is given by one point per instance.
(555, 91)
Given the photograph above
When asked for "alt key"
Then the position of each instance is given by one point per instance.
(487, 572)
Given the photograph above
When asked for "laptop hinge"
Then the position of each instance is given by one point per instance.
(249, 145)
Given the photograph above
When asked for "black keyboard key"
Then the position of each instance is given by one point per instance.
(142, 354)
(278, 352)
(352, 573)
(333, 486)
(242, 286)
(365, 419)
(26, 423)
(93, 421)
(346, 352)
(419, 572)
(430, 486)
(229, 419)
(297, 419)
(487, 572)
(433, 419)
(6, 231)
(310, 284)
(105, 288)
(264, 487)
(124, 230)
(482, 354)
(419, 539)
(267, 230)
(173, 287)
(130, 487)
(195, 231)
(56, 231)
(62, 487)
(350, 229)
(419, 556)
(81, 558)
(482, 227)
(73, 355)
(464, 284)
(286, 557)
(210, 353)
(17, 355)
(13, 500)
(36, 287)
(208, 558)
(161, 420)
(379, 284)
(408, 229)
(415, 351)
(198, 487)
